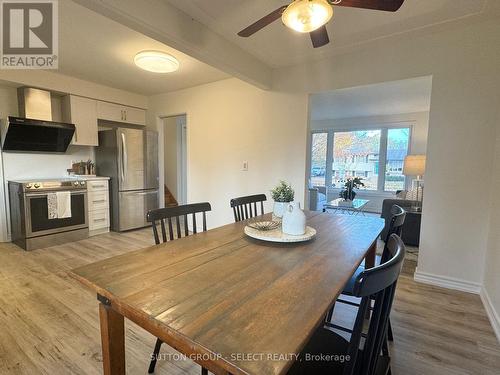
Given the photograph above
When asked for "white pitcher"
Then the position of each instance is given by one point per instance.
(294, 220)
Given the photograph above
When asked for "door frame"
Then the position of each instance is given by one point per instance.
(182, 157)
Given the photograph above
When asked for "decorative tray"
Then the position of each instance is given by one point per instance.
(276, 235)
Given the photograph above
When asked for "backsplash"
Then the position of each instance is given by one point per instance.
(18, 166)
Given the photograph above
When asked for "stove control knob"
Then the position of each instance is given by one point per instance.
(28, 186)
(82, 183)
(75, 183)
(36, 185)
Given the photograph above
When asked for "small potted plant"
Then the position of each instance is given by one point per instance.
(282, 195)
(347, 193)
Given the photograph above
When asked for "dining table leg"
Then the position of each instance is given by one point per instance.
(371, 255)
(112, 339)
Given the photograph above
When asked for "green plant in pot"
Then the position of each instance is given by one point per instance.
(282, 195)
(347, 193)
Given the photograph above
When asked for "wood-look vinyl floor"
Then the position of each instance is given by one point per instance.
(49, 322)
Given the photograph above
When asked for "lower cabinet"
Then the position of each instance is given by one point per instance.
(98, 206)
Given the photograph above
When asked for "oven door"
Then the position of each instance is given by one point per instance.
(37, 214)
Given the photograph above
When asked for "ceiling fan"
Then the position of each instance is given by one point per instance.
(311, 16)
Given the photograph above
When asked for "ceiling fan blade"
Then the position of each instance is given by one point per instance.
(319, 37)
(263, 22)
(386, 5)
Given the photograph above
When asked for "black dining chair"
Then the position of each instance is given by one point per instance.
(345, 355)
(246, 207)
(167, 217)
(395, 227)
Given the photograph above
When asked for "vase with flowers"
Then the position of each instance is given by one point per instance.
(348, 193)
(282, 195)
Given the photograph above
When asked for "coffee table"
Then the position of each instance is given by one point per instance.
(357, 207)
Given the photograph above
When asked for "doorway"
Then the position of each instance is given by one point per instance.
(175, 160)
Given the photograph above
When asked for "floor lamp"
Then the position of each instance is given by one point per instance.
(414, 165)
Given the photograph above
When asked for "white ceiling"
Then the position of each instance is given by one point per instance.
(278, 46)
(388, 98)
(95, 48)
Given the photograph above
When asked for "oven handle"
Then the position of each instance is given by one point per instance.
(45, 193)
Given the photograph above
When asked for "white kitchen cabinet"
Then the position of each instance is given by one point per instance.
(98, 205)
(120, 113)
(83, 113)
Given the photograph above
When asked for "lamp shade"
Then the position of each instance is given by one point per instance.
(414, 165)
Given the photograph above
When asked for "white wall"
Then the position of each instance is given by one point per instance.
(464, 63)
(419, 122)
(229, 122)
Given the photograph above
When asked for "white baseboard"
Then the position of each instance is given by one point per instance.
(491, 312)
(447, 282)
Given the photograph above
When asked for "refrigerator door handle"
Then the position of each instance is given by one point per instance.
(147, 192)
(124, 155)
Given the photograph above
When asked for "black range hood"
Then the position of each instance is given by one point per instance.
(27, 135)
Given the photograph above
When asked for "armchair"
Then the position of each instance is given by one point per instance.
(317, 198)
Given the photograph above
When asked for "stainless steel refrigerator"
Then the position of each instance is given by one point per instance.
(130, 157)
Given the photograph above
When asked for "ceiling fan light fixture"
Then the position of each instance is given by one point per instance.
(305, 16)
(156, 62)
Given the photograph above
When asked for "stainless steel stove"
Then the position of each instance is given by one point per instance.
(31, 227)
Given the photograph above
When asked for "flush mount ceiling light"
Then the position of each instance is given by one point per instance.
(156, 62)
(305, 16)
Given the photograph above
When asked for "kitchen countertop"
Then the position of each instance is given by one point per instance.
(86, 178)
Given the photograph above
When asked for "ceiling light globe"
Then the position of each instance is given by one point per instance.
(156, 62)
(305, 16)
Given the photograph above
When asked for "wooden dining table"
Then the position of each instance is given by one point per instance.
(233, 304)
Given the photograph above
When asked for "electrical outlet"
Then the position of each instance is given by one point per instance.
(245, 166)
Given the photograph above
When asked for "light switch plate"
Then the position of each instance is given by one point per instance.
(245, 166)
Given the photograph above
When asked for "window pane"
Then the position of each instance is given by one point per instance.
(397, 148)
(318, 158)
(356, 154)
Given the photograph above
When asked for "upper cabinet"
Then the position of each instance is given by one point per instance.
(121, 113)
(83, 113)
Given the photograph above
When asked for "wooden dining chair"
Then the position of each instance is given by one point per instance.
(379, 284)
(246, 207)
(166, 218)
(395, 227)
(179, 214)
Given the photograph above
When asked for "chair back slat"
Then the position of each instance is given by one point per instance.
(155, 233)
(170, 229)
(195, 230)
(167, 214)
(186, 229)
(163, 231)
(178, 224)
(242, 206)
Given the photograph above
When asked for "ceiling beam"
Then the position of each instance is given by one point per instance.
(167, 24)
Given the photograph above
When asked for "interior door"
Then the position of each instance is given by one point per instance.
(134, 206)
(131, 159)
